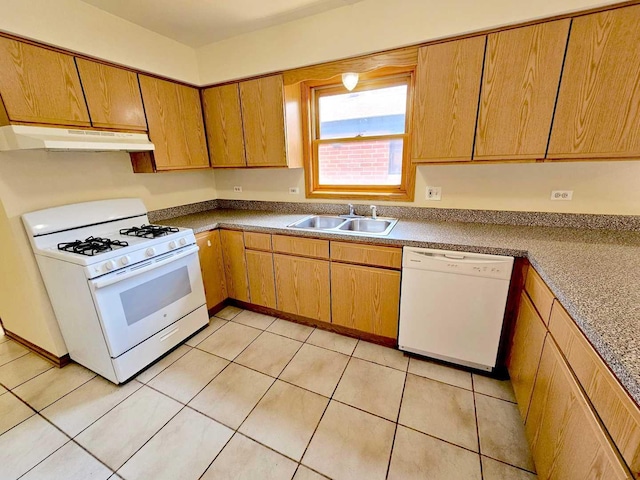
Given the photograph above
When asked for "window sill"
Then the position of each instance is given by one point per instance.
(354, 195)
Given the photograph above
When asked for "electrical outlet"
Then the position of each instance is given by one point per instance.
(434, 193)
(237, 189)
(294, 190)
(561, 195)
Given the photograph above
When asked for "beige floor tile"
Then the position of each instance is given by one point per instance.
(419, 457)
(442, 373)
(231, 396)
(244, 459)
(230, 340)
(162, 364)
(79, 409)
(440, 410)
(23, 369)
(502, 432)
(214, 324)
(190, 374)
(184, 448)
(115, 476)
(494, 470)
(12, 412)
(285, 419)
(228, 312)
(69, 463)
(371, 387)
(494, 388)
(333, 341)
(315, 369)
(350, 444)
(3, 337)
(26, 445)
(289, 329)
(11, 350)
(254, 319)
(128, 426)
(305, 473)
(389, 357)
(269, 353)
(46, 388)
(2, 390)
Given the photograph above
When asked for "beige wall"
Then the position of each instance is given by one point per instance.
(599, 187)
(34, 180)
(80, 27)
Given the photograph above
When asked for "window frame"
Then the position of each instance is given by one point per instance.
(384, 77)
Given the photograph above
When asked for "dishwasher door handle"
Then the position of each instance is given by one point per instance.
(450, 258)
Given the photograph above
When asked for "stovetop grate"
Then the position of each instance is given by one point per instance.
(148, 231)
(92, 246)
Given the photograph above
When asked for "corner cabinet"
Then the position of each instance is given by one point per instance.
(176, 127)
(235, 264)
(212, 267)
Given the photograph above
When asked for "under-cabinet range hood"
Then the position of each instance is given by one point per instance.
(24, 137)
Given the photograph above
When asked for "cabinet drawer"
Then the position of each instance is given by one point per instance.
(616, 409)
(303, 247)
(366, 254)
(257, 241)
(540, 294)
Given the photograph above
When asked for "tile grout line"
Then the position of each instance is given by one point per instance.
(395, 431)
(475, 414)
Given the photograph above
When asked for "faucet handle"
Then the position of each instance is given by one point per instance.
(374, 212)
(351, 209)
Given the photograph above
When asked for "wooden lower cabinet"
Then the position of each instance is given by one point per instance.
(235, 264)
(262, 287)
(524, 355)
(567, 439)
(365, 299)
(212, 267)
(302, 286)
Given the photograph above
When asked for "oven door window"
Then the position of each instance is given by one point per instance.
(141, 301)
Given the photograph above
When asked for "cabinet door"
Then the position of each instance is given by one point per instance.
(519, 87)
(235, 264)
(212, 267)
(524, 355)
(598, 112)
(176, 128)
(40, 86)
(366, 299)
(446, 100)
(261, 278)
(113, 96)
(302, 286)
(223, 120)
(263, 120)
(566, 437)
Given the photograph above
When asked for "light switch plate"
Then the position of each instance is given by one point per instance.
(294, 190)
(434, 193)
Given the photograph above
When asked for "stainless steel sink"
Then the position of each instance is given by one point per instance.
(347, 226)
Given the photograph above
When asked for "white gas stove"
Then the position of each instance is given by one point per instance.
(124, 291)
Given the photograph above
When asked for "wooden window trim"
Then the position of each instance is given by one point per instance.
(373, 80)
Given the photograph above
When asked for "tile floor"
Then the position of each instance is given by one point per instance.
(254, 397)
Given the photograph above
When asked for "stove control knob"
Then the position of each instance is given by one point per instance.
(125, 260)
(172, 245)
(109, 265)
(183, 241)
(150, 252)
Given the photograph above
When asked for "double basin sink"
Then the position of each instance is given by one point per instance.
(346, 225)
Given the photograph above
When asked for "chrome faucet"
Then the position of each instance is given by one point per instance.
(352, 211)
(374, 212)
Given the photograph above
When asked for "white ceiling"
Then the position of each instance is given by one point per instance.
(199, 22)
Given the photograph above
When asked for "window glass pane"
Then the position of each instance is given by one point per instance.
(365, 162)
(368, 113)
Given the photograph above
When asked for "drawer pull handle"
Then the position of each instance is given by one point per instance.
(164, 337)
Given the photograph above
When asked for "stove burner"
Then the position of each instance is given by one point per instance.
(91, 246)
(148, 231)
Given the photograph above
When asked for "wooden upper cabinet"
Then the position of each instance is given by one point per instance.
(446, 100)
(113, 96)
(263, 119)
(598, 111)
(223, 119)
(38, 85)
(176, 127)
(519, 88)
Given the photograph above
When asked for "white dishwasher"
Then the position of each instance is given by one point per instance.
(452, 305)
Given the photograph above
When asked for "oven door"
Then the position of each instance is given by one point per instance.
(135, 303)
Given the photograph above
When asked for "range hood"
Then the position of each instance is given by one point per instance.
(24, 137)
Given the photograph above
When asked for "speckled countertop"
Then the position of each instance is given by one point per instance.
(594, 273)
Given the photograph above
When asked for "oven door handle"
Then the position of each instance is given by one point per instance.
(114, 278)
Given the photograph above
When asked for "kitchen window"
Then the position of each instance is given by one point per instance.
(358, 141)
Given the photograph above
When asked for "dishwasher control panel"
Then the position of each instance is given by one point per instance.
(461, 263)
